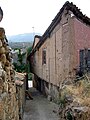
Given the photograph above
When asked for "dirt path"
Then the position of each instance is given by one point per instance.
(40, 108)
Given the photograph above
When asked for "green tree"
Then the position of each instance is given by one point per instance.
(29, 49)
(21, 56)
(20, 66)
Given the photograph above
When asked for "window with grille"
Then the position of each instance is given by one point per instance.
(84, 59)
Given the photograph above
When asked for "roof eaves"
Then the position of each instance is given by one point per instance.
(69, 6)
(54, 22)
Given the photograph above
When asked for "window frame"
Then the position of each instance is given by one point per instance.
(44, 56)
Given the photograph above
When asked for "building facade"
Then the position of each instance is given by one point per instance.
(62, 51)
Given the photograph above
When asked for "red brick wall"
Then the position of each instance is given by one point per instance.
(82, 38)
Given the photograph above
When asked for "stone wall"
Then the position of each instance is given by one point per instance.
(20, 91)
(8, 100)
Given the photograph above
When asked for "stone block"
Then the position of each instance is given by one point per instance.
(0, 43)
(2, 50)
(3, 58)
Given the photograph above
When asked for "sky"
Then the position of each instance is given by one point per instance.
(28, 16)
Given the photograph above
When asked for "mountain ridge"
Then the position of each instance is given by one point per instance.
(24, 37)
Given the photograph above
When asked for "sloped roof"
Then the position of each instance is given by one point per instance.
(68, 6)
(36, 36)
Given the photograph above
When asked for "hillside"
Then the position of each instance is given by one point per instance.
(21, 45)
(25, 37)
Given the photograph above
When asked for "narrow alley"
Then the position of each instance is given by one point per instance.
(44, 66)
(40, 108)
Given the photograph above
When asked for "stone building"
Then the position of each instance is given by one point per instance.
(62, 51)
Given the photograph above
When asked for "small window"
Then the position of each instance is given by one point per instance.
(88, 60)
(84, 59)
(44, 56)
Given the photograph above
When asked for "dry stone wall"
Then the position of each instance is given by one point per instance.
(8, 100)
